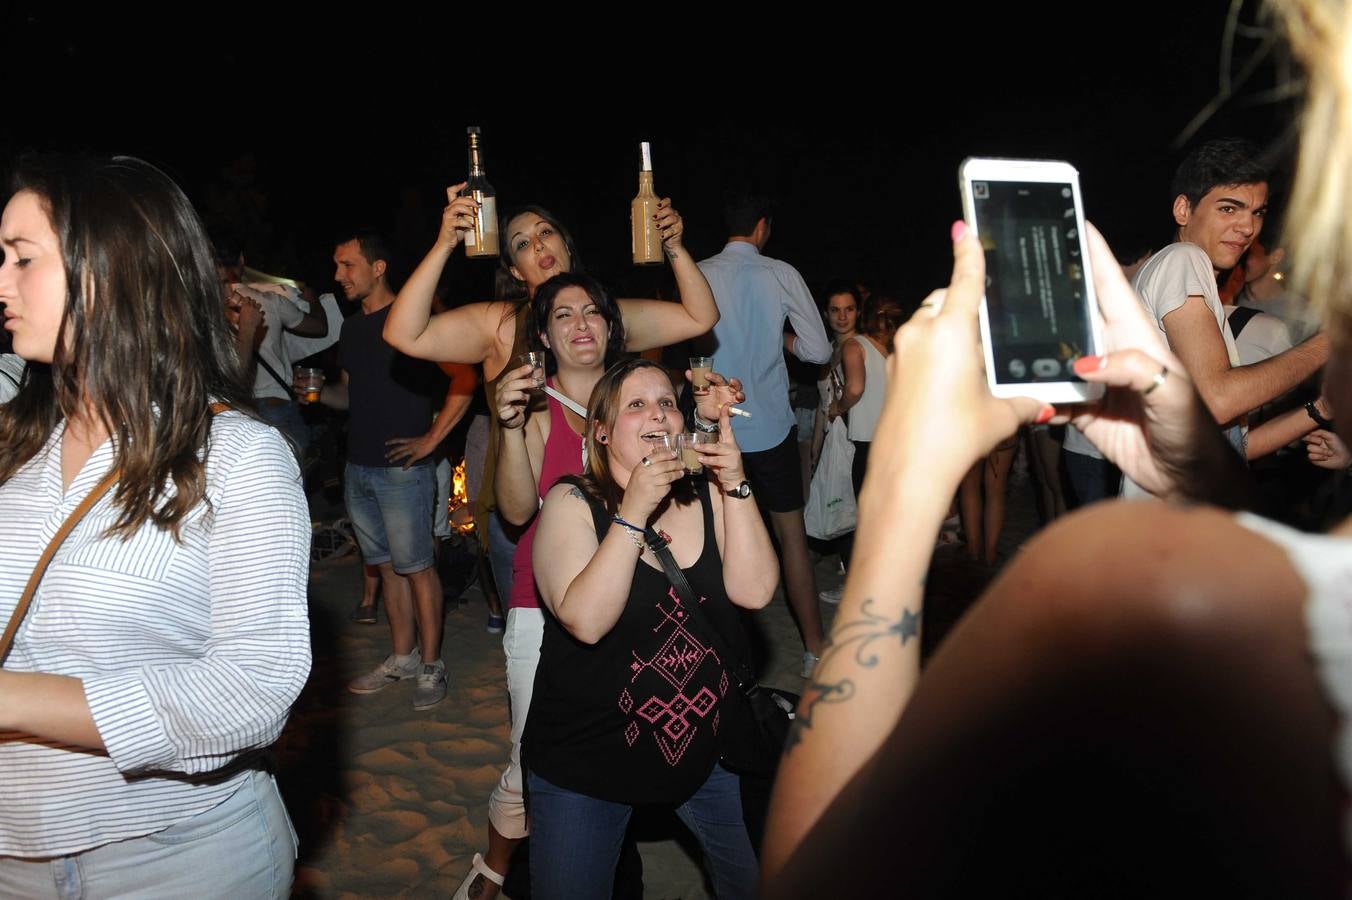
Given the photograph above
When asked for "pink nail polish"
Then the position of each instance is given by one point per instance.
(959, 230)
(1088, 364)
(1045, 414)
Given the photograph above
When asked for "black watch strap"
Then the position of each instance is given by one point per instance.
(1313, 411)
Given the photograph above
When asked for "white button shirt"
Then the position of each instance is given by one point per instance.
(191, 652)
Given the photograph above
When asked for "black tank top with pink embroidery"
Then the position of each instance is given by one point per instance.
(635, 718)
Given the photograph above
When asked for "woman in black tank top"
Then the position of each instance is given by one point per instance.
(629, 694)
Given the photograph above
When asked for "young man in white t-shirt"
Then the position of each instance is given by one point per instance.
(1220, 198)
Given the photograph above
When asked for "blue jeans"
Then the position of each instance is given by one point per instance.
(244, 847)
(501, 552)
(575, 840)
(391, 512)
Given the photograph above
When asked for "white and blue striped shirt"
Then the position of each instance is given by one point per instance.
(191, 653)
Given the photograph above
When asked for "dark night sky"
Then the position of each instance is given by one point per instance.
(857, 129)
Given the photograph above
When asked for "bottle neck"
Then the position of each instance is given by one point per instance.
(476, 167)
(645, 183)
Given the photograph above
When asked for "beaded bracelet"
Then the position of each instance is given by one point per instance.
(701, 425)
(630, 525)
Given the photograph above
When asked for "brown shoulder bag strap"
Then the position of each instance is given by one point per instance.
(78, 513)
(25, 599)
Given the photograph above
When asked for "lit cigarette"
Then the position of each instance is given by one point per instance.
(738, 412)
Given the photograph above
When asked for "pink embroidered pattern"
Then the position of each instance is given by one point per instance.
(676, 720)
(675, 729)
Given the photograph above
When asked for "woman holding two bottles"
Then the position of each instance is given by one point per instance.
(534, 247)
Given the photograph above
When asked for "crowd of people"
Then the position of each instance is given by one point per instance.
(1147, 687)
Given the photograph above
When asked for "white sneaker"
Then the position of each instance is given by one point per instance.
(386, 674)
(430, 686)
(832, 596)
(810, 661)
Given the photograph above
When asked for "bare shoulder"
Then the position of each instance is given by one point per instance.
(567, 496)
(1183, 565)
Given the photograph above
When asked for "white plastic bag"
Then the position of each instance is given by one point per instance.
(830, 508)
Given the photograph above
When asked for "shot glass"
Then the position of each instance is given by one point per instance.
(700, 366)
(536, 360)
(689, 446)
(308, 382)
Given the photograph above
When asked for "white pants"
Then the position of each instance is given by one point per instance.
(521, 644)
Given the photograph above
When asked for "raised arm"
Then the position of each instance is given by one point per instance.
(750, 567)
(657, 323)
(521, 448)
(313, 324)
(1230, 392)
(584, 585)
(468, 334)
(872, 661)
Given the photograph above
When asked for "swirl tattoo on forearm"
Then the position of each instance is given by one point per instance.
(860, 638)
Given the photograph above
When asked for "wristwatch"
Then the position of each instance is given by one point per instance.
(742, 491)
(1313, 412)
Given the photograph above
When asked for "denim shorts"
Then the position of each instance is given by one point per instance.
(391, 511)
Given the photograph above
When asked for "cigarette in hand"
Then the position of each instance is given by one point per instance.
(732, 410)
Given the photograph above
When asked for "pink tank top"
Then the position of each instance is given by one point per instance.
(563, 456)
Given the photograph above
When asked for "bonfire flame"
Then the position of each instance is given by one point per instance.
(462, 516)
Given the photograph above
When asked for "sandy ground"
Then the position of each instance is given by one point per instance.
(390, 802)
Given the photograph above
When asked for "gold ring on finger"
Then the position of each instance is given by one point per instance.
(1158, 380)
(647, 461)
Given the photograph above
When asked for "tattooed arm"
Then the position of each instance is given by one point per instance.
(937, 402)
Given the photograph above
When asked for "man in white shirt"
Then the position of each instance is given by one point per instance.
(1220, 199)
(276, 310)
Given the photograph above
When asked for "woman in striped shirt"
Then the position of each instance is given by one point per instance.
(167, 640)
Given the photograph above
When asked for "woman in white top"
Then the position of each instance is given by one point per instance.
(1153, 699)
(841, 313)
(168, 638)
(864, 358)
